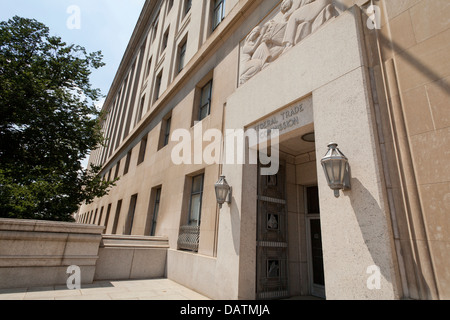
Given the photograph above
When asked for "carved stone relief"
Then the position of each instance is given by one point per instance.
(288, 25)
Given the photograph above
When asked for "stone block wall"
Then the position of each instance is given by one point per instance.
(38, 253)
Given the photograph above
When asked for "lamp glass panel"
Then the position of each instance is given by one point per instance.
(338, 171)
(329, 169)
(221, 193)
(342, 177)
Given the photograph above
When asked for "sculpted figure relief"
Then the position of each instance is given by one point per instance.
(296, 20)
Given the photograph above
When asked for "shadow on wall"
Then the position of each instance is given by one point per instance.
(369, 214)
(235, 225)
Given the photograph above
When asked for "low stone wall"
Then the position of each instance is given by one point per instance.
(38, 253)
(131, 257)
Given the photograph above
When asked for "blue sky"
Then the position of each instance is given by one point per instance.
(104, 25)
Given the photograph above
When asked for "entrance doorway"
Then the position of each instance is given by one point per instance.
(289, 255)
(272, 241)
(314, 242)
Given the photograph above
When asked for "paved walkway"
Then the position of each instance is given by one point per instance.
(158, 289)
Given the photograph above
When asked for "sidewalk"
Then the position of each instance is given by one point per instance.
(157, 289)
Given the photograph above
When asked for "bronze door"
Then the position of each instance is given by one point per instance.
(272, 268)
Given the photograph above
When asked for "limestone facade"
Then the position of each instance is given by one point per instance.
(376, 77)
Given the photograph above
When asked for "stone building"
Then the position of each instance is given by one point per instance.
(201, 79)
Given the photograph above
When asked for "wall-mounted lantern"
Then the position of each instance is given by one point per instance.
(223, 191)
(336, 168)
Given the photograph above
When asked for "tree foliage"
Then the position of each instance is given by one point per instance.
(48, 123)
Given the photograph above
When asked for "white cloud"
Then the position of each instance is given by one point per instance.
(99, 104)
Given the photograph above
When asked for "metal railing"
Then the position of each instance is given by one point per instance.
(188, 238)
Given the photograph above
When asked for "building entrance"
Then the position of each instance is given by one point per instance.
(314, 240)
(272, 242)
(289, 256)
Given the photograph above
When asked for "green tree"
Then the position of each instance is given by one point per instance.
(48, 123)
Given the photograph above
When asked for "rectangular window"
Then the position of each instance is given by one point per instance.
(195, 203)
(182, 56)
(158, 85)
(218, 13)
(101, 216)
(130, 217)
(127, 163)
(141, 110)
(155, 211)
(116, 217)
(187, 6)
(170, 6)
(116, 173)
(142, 150)
(95, 216)
(165, 131)
(205, 101)
(165, 40)
(108, 212)
(149, 65)
(155, 28)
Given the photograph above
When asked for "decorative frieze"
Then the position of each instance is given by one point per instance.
(287, 25)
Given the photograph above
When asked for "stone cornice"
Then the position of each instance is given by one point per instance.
(137, 37)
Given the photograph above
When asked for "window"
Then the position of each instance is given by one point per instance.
(205, 101)
(101, 216)
(165, 131)
(155, 28)
(187, 6)
(158, 85)
(116, 217)
(155, 211)
(142, 150)
(127, 163)
(130, 217)
(95, 217)
(181, 56)
(195, 203)
(218, 13)
(165, 40)
(108, 212)
(170, 6)
(116, 173)
(149, 65)
(141, 110)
